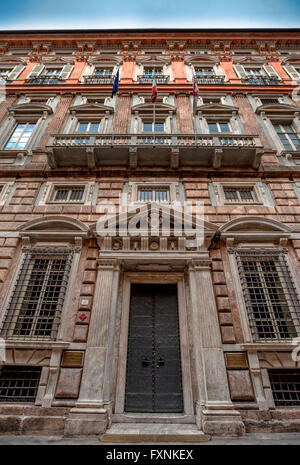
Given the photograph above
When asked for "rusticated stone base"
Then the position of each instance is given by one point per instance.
(227, 422)
(85, 421)
(32, 420)
(272, 421)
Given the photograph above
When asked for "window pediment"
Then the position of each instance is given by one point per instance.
(91, 109)
(153, 61)
(31, 109)
(278, 109)
(159, 108)
(196, 60)
(12, 60)
(218, 108)
(111, 60)
(255, 229)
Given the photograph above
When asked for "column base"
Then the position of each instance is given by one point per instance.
(85, 421)
(220, 419)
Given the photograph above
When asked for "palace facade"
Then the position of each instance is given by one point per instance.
(150, 332)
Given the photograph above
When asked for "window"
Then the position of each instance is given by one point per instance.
(158, 71)
(150, 194)
(270, 296)
(19, 383)
(239, 194)
(20, 136)
(4, 73)
(285, 385)
(66, 194)
(89, 127)
(219, 127)
(37, 300)
(268, 101)
(208, 100)
(158, 126)
(51, 76)
(204, 72)
(103, 72)
(288, 137)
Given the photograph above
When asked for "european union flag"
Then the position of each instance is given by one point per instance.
(116, 85)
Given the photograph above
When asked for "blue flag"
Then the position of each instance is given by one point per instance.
(116, 85)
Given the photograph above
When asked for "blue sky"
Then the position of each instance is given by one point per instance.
(72, 14)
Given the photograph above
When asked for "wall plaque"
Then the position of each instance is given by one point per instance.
(72, 358)
(236, 360)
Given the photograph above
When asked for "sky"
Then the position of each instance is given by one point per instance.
(114, 14)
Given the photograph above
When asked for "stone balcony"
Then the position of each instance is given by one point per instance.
(148, 79)
(261, 81)
(142, 150)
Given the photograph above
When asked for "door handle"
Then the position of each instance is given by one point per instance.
(160, 362)
(145, 362)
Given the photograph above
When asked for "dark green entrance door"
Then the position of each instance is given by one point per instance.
(153, 381)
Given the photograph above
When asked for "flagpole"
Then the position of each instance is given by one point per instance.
(153, 121)
(114, 120)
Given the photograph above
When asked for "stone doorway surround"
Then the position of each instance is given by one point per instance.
(206, 392)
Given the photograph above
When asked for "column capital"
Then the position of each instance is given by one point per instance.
(108, 264)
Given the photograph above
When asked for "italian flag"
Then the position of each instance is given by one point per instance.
(154, 89)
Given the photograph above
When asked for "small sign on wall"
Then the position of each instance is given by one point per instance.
(72, 358)
(236, 360)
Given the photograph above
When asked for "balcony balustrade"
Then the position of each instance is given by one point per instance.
(109, 79)
(260, 81)
(148, 79)
(154, 150)
(45, 81)
(208, 80)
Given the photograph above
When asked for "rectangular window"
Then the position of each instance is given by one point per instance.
(159, 194)
(158, 71)
(66, 194)
(219, 127)
(239, 194)
(20, 137)
(4, 73)
(288, 137)
(208, 100)
(158, 126)
(204, 72)
(93, 126)
(36, 304)
(270, 296)
(103, 72)
(19, 383)
(285, 385)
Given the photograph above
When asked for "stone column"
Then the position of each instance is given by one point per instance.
(215, 413)
(92, 411)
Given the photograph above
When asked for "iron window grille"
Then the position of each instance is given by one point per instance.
(285, 385)
(49, 77)
(268, 101)
(35, 307)
(65, 194)
(100, 76)
(270, 295)
(239, 195)
(19, 383)
(159, 194)
(148, 79)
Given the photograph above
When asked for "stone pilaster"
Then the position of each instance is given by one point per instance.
(92, 410)
(214, 410)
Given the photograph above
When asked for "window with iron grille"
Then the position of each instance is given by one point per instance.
(239, 194)
(270, 295)
(19, 383)
(158, 194)
(285, 385)
(36, 303)
(65, 194)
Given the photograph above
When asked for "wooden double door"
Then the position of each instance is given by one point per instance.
(153, 379)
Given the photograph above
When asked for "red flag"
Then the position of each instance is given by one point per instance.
(154, 90)
(195, 96)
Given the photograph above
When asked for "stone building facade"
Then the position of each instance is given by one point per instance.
(149, 328)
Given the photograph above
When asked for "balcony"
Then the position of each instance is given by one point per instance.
(45, 81)
(260, 81)
(208, 80)
(171, 150)
(109, 79)
(148, 79)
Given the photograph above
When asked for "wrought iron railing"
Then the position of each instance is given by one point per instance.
(148, 79)
(210, 79)
(45, 81)
(109, 79)
(261, 81)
